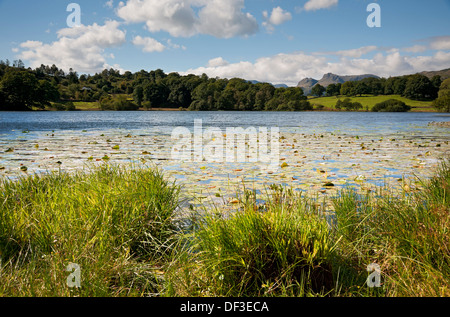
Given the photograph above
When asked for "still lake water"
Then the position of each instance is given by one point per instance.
(347, 148)
(305, 122)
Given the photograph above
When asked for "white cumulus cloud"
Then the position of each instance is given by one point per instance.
(277, 17)
(81, 48)
(186, 18)
(217, 62)
(440, 43)
(291, 68)
(313, 5)
(149, 44)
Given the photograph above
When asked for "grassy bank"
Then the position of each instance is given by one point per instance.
(114, 223)
(122, 228)
(370, 101)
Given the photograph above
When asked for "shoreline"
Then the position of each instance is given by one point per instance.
(186, 110)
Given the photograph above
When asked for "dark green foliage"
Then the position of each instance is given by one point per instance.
(443, 101)
(333, 90)
(21, 90)
(26, 89)
(138, 95)
(348, 105)
(419, 87)
(68, 106)
(361, 88)
(118, 103)
(318, 90)
(391, 105)
(348, 89)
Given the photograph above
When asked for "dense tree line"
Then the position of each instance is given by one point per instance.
(442, 103)
(24, 89)
(414, 87)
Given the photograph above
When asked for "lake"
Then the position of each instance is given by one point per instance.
(346, 148)
(320, 122)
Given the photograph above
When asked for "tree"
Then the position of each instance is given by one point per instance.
(442, 103)
(46, 92)
(391, 105)
(389, 86)
(361, 89)
(419, 87)
(333, 90)
(138, 95)
(436, 81)
(20, 88)
(348, 105)
(157, 93)
(444, 89)
(375, 86)
(348, 89)
(264, 94)
(117, 103)
(300, 105)
(73, 77)
(318, 90)
(226, 101)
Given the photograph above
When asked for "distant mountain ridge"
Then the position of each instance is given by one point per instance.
(445, 73)
(308, 83)
(276, 86)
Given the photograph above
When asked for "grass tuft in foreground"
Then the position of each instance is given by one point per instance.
(115, 223)
(408, 236)
(284, 251)
(288, 248)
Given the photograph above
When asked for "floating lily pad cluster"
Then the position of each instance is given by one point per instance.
(315, 164)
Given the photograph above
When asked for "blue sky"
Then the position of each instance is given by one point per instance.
(279, 41)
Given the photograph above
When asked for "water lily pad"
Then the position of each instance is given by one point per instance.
(116, 147)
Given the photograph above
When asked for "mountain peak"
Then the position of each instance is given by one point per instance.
(308, 83)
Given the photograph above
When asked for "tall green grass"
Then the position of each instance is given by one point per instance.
(408, 236)
(284, 250)
(125, 229)
(288, 247)
(107, 220)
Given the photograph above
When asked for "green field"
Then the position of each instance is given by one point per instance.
(369, 101)
(329, 103)
(87, 106)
